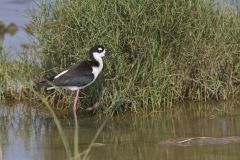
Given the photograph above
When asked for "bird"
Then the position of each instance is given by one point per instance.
(79, 76)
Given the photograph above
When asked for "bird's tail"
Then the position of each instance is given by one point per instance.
(42, 84)
(46, 83)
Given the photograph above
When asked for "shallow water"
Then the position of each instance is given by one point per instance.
(29, 133)
(15, 11)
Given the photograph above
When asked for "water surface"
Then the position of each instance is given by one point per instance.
(15, 11)
(29, 133)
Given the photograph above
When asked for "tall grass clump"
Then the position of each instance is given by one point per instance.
(14, 74)
(158, 51)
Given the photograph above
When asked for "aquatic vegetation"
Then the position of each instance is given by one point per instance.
(2, 27)
(169, 51)
(17, 76)
(11, 29)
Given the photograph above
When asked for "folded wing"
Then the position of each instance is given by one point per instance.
(78, 75)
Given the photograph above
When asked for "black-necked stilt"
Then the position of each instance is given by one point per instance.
(81, 75)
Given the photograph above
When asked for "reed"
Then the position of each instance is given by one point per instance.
(158, 51)
(14, 74)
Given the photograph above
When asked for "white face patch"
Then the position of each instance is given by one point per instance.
(97, 55)
(100, 49)
(103, 53)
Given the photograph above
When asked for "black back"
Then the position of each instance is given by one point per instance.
(77, 75)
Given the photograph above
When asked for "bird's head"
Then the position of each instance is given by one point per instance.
(98, 51)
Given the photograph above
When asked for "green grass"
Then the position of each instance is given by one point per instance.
(14, 74)
(159, 51)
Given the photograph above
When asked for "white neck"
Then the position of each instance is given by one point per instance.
(98, 58)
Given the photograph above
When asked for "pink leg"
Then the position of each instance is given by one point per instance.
(75, 101)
